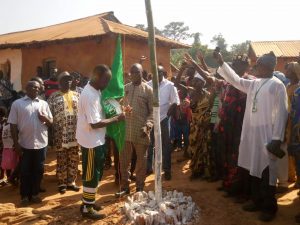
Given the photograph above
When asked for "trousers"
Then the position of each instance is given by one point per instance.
(166, 147)
(263, 194)
(32, 170)
(67, 165)
(141, 162)
(93, 160)
(111, 147)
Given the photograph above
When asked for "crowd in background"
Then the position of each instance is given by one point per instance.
(234, 126)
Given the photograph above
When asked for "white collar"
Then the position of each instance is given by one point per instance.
(26, 97)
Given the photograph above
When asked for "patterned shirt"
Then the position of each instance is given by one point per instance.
(295, 118)
(64, 108)
(5, 90)
(292, 96)
(140, 98)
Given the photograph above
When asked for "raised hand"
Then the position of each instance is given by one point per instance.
(188, 59)
(200, 56)
(184, 65)
(218, 56)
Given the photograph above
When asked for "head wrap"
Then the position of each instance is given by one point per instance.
(242, 59)
(281, 77)
(198, 76)
(268, 60)
(75, 75)
(295, 67)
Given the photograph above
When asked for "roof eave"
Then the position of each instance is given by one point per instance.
(38, 44)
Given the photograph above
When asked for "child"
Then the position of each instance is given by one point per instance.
(3, 169)
(181, 120)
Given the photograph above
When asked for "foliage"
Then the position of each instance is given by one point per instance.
(176, 31)
(241, 48)
(220, 42)
(144, 28)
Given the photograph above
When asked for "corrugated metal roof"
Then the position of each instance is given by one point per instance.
(280, 48)
(86, 27)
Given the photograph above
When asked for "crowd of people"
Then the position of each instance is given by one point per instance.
(234, 126)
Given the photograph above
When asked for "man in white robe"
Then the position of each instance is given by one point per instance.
(264, 122)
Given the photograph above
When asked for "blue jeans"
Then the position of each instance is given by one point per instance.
(166, 147)
(182, 130)
(32, 170)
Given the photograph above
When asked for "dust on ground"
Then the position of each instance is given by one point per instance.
(215, 209)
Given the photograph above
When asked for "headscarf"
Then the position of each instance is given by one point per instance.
(241, 59)
(295, 66)
(268, 60)
(197, 75)
(281, 77)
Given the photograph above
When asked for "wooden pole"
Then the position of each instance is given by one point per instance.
(156, 109)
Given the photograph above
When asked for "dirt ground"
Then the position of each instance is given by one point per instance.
(64, 209)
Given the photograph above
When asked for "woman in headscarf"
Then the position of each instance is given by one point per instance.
(202, 163)
(199, 148)
(293, 124)
(293, 74)
(235, 179)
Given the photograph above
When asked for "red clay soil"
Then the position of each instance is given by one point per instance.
(64, 209)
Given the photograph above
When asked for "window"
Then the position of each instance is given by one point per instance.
(6, 68)
(48, 65)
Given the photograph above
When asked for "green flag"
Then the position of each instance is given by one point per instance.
(113, 91)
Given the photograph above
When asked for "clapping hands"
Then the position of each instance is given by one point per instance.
(188, 59)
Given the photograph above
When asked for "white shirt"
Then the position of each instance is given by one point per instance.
(260, 127)
(168, 95)
(6, 136)
(33, 134)
(90, 112)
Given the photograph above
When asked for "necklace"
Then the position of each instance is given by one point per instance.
(254, 106)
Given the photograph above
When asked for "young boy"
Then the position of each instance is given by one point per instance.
(3, 113)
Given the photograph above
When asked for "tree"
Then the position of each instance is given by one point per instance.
(176, 31)
(144, 28)
(177, 54)
(196, 37)
(197, 46)
(141, 27)
(220, 42)
(241, 48)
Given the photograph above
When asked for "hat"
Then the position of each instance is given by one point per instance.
(62, 75)
(268, 60)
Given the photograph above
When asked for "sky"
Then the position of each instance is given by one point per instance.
(236, 20)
